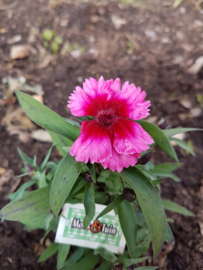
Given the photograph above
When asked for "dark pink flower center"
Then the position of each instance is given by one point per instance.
(106, 120)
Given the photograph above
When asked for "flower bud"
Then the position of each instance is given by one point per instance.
(129, 194)
(144, 159)
(87, 177)
(163, 124)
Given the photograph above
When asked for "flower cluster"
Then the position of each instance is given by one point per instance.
(112, 138)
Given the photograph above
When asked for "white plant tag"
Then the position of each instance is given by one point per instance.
(105, 232)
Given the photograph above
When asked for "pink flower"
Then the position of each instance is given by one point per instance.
(112, 138)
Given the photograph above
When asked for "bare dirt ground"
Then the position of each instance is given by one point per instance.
(152, 45)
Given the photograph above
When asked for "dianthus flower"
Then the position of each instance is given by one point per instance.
(111, 138)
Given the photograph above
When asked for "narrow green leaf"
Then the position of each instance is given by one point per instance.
(50, 251)
(105, 265)
(31, 206)
(46, 118)
(156, 182)
(46, 159)
(66, 175)
(128, 222)
(150, 204)
(92, 170)
(89, 204)
(86, 263)
(26, 159)
(174, 131)
(169, 235)
(106, 254)
(74, 257)
(60, 142)
(76, 124)
(143, 246)
(160, 138)
(111, 206)
(62, 255)
(183, 145)
(85, 118)
(165, 170)
(100, 197)
(66, 149)
(128, 262)
(174, 207)
(42, 180)
(19, 193)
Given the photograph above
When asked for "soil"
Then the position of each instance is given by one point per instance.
(152, 46)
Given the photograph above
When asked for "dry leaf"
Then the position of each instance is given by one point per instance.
(2, 170)
(182, 116)
(18, 123)
(5, 178)
(14, 39)
(19, 51)
(46, 61)
(195, 68)
(117, 21)
(38, 98)
(186, 103)
(195, 112)
(152, 119)
(41, 135)
(14, 185)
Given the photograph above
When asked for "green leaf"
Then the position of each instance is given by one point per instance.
(62, 255)
(165, 169)
(42, 179)
(183, 145)
(150, 204)
(105, 265)
(89, 204)
(54, 47)
(26, 159)
(169, 235)
(174, 131)
(92, 170)
(176, 3)
(128, 222)
(28, 208)
(50, 251)
(86, 263)
(46, 118)
(60, 142)
(65, 177)
(156, 182)
(174, 207)
(74, 257)
(159, 137)
(19, 193)
(58, 40)
(48, 34)
(143, 246)
(66, 149)
(128, 262)
(111, 206)
(46, 159)
(85, 118)
(106, 254)
(36, 223)
(74, 123)
(100, 197)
